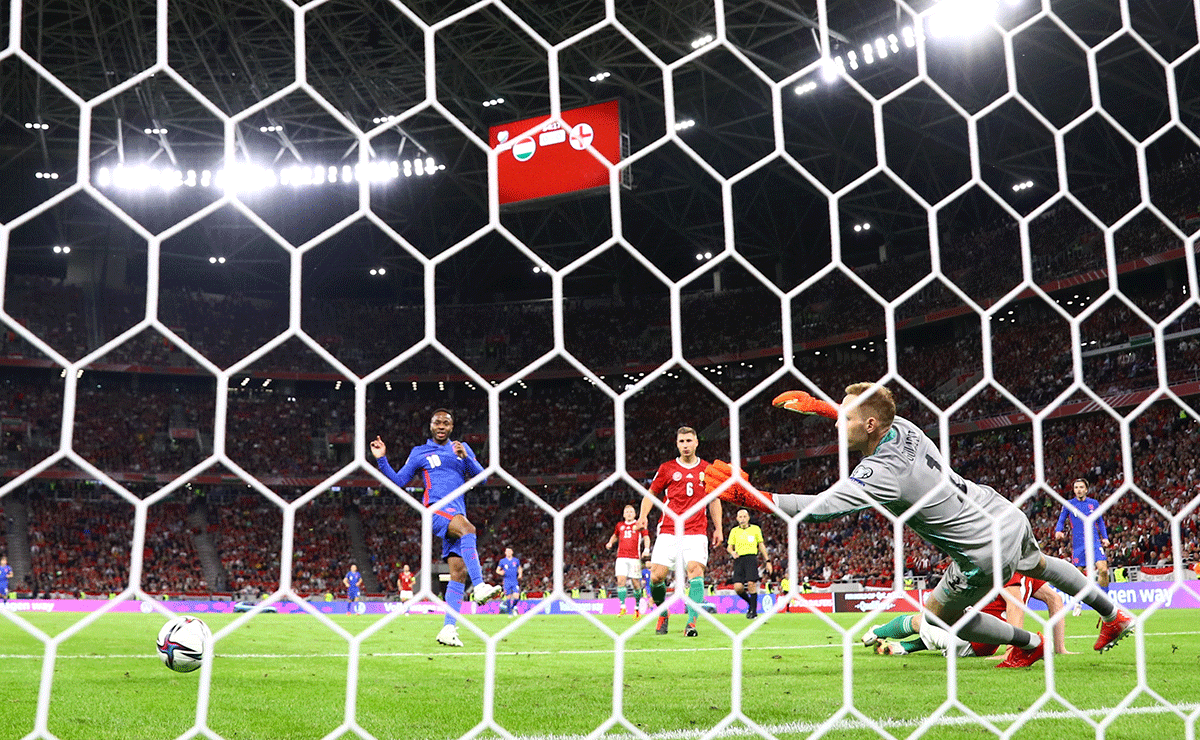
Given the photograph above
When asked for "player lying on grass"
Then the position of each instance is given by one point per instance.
(902, 471)
(911, 633)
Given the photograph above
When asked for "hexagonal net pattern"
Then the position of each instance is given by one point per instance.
(905, 125)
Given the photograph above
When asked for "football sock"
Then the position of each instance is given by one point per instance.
(899, 627)
(749, 598)
(621, 591)
(988, 629)
(1073, 583)
(696, 594)
(658, 592)
(454, 598)
(471, 557)
(915, 645)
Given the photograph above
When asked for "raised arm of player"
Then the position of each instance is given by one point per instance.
(378, 448)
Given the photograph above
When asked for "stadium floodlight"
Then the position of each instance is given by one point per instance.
(681, 125)
(1022, 186)
(808, 86)
(600, 77)
(853, 58)
(536, 270)
(910, 38)
(868, 51)
(881, 48)
(493, 101)
(830, 69)
(154, 131)
(61, 250)
(704, 40)
(37, 126)
(865, 226)
(960, 18)
(46, 175)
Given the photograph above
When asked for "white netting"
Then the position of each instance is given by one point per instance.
(887, 300)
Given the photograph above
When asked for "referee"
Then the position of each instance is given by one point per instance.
(745, 544)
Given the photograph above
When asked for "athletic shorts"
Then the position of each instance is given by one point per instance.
(668, 548)
(629, 567)
(511, 589)
(1079, 555)
(352, 594)
(441, 526)
(745, 569)
(406, 595)
(959, 590)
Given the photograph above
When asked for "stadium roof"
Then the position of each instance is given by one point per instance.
(367, 59)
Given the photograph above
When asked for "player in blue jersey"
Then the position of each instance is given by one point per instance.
(512, 571)
(5, 574)
(351, 581)
(445, 465)
(645, 605)
(1078, 510)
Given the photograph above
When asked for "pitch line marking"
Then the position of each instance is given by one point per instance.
(806, 728)
(508, 653)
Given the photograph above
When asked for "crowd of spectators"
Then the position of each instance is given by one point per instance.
(81, 535)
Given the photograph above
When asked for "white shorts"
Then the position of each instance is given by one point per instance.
(691, 547)
(406, 595)
(629, 567)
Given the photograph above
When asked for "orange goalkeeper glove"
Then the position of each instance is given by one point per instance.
(803, 403)
(741, 495)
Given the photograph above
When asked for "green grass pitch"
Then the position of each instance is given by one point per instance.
(285, 676)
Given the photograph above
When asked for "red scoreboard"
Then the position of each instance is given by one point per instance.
(552, 159)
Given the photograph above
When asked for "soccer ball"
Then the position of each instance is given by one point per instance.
(181, 643)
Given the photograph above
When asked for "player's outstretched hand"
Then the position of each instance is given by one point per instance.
(459, 449)
(738, 494)
(803, 403)
(378, 448)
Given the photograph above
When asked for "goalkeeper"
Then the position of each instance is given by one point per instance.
(902, 471)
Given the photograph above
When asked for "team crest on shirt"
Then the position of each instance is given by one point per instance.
(861, 472)
(677, 476)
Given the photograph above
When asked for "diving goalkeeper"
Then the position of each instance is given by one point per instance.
(902, 470)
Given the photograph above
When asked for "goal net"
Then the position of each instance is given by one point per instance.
(240, 241)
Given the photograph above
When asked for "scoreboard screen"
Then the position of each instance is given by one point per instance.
(552, 159)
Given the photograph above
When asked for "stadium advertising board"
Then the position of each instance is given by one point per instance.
(552, 159)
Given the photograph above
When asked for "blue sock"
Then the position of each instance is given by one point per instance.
(454, 598)
(470, 556)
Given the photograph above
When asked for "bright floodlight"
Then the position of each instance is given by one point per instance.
(960, 18)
